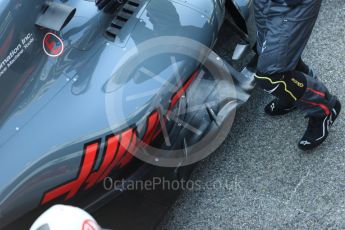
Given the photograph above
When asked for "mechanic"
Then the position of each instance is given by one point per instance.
(284, 28)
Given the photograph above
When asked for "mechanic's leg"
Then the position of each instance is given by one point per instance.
(301, 67)
(322, 109)
(287, 87)
(304, 68)
(310, 95)
(261, 16)
(260, 9)
(281, 107)
(288, 30)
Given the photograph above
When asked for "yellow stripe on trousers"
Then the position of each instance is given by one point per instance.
(278, 82)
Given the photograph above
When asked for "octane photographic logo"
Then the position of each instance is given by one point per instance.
(179, 94)
(53, 46)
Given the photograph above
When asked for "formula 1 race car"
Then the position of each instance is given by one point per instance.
(105, 88)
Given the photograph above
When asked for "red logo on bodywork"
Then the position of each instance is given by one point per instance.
(117, 154)
(89, 225)
(53, 45)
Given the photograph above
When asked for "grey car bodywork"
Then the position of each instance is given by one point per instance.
(52, 103)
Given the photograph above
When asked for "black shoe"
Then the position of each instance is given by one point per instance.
(276, 108)
(318, 129)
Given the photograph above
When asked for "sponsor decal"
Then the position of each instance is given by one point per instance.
(299, 84)
(117, 154)
(53, 45)
(16, 53)
(89, 225)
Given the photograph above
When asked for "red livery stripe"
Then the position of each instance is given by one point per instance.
(317, 92)
(73, 187)
(322, 106)
(111, 147)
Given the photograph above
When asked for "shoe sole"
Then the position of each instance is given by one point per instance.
(338, 113)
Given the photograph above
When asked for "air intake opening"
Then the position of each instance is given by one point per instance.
(121, 17)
